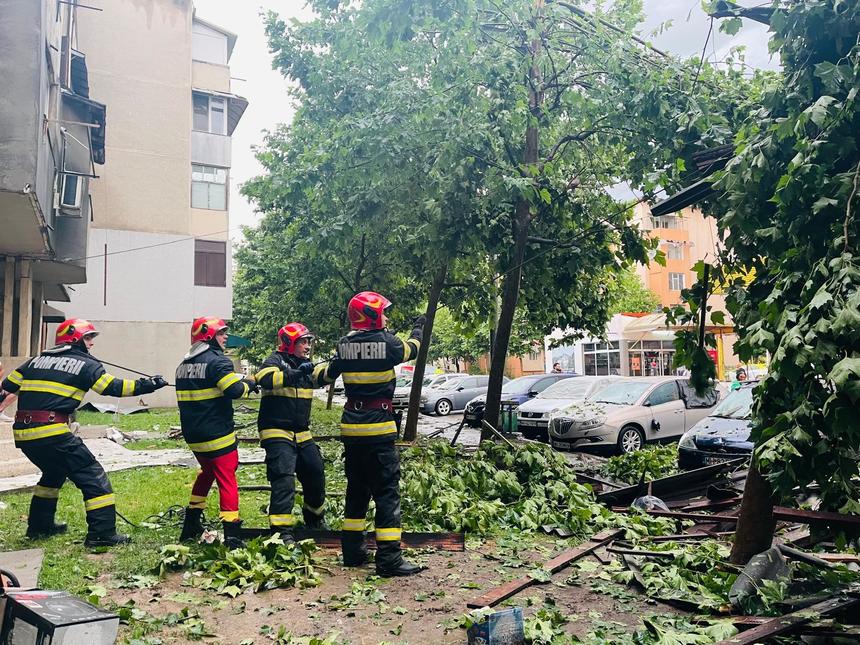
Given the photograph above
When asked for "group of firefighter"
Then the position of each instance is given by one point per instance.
(52, 385)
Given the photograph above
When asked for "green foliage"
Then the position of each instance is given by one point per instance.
(653, 461)
(264, 563)
(788, 203)
(629, 295)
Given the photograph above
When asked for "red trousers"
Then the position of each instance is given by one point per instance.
(223, 470)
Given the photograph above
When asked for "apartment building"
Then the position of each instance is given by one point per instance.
(159, 237)
(52, 148)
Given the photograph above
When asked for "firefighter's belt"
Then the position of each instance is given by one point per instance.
(369, 404)
(40, 416)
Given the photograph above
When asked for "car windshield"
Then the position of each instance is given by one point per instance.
(737, 405)
(569, 388)
(521, 385)
(623, 392)
(403, 381)
(450, 384)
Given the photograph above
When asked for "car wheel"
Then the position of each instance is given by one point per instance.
(630, 439)
(443, 407)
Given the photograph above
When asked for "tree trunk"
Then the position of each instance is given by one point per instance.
(522, 219)
(411, 430)
(330, 396)
(756, 523)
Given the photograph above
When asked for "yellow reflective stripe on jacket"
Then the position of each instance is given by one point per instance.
(387, 535)
(46, 493)
(214, 444)
(279, 433)
(291, 392)
(410, 349)
(354, 524)
(100, 385)
(197, 501)
(127, 387)
(277, 380)
(199, 395)
(320, 375)
(266, 370)
(227, 381)
(52, 387)
(41, 432)
(101, 501)
(369, 377)
(367, 429)
(16, 377)
(282, 520)
(229, 516)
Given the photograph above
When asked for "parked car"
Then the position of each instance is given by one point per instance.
(401, 394)
(454, 394)
(515, 392)
(627, 414)
(721, 436)
(402, 389)
(533, 416)
(436, 380)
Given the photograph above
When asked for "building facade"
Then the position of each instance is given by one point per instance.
(159, 239)
(52, 147)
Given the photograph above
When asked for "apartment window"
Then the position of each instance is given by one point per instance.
(210, 263)
(675, 252)
(676, 281)
(666, 221)
(70, 197)
(602, 359)
(208, 187)
(210, 113)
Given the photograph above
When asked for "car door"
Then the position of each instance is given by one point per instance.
(478, 387)
(667, 411)
(463, 393)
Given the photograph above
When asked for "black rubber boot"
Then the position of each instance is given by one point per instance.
(233, 535)
(41, 522)
(116, 539)
(405, 568)
(314, 522)
(354, 549)
(356, 558)
(192, 525)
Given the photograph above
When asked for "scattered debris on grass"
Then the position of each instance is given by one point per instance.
(653, 462)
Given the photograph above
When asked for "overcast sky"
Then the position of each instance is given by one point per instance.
(266, 90)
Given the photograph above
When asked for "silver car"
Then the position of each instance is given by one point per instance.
(402, 389)
(403, 392)
(533, 415)
(627, 414)
(454, 394)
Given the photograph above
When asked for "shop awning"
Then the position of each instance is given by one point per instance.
(655, 325)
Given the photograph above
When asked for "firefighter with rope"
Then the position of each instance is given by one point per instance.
(366, 358)
(205, 385)
(287, 384)
(50, 387)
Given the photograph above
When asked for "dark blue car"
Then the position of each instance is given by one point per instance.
(722, 436)
(516, 391)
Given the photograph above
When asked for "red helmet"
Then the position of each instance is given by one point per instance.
(205, 328)
(74, 329)
(289, 335)
(366, 310)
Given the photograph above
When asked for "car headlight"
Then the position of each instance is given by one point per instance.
(423, 398)
(687, 441)
(590, 423)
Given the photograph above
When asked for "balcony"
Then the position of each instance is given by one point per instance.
(210, 149)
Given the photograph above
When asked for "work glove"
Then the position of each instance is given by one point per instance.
(149, 385)
(419, 321)
(253, 386)
(306, 368)
(158, 382)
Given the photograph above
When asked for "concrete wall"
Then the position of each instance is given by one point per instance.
(210, 76)
(211, 149)
(139, 59)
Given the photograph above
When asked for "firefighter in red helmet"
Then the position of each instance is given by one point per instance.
(205, 385)
(287, 383)
(50, 387)
(366, 358)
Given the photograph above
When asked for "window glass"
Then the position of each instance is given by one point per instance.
(210, 263)
(665, 393)
(218, 123)
(201, 112)
(622, 392)
(208, 187)
(543, 384)
(675, 252)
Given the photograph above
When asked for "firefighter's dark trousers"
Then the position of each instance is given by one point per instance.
(68, 458)
(372, 471)
(286, 460)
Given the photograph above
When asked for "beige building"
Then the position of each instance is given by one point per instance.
(159, 250)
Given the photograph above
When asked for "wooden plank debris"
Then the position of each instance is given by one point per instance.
(791, 622)
(496, 595)
(331, 539)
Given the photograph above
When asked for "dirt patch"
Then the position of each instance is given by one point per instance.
(368, 610)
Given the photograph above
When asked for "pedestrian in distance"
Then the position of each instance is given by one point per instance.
(50, 388)
(205, 386)
(366, 358)
(286, 382)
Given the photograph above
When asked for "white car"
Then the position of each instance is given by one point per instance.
(630, 412)
(402, 389)
(533, 415)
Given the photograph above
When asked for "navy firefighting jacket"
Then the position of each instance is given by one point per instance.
(366, 360)
(287, 394)
(56, 381)
(205, 385)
